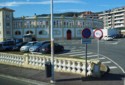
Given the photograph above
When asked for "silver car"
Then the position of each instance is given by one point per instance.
(26, 47)
(35, 47)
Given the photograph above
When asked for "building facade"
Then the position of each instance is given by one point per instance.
(63, 27)
(114, 18)
(6, 19)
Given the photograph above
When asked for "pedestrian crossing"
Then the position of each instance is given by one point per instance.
(80, 52)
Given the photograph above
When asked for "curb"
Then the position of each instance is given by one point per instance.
(25, 80)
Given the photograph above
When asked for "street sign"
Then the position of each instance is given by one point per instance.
(86, 33)
(86, 41)
(98, 33)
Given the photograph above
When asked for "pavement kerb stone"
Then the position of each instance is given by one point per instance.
(25, 80)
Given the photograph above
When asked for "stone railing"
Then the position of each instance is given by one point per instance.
(76, 66)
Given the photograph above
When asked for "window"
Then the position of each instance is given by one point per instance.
(54, 23)
(29, 32)
(8, 32)
(17, 33)
(7, 24)
(40, 32)
(79, 32)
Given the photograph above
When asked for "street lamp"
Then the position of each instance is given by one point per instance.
(52, 44)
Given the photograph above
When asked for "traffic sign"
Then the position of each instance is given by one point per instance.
(86, 41)
(86, 33)
(98, 33)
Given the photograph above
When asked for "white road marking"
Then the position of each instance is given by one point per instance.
(79, 54)
(92, 56)
(73, 53)
(101, 58)
(112, 67)
(106, 62)
(114, 63)
(76, 50)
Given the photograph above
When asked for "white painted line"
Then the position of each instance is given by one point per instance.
(114, 63)
(106, 62)
(92, 56)
(101, 58)
(73, 53)
(112, 67)
(72, 50)
(79, 54)
(81, 47)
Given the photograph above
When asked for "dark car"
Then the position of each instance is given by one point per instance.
(37, 46)
(18, 46)
(6, 45)
(46, 48)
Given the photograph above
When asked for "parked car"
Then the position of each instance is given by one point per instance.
(46, 48)
(37, 46)
(2, 46)
(18, 46)
(6, 45)
(26, 47)
(107, 38)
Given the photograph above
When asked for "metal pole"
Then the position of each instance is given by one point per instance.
(86, 62)
(98, 48)
(52, 44)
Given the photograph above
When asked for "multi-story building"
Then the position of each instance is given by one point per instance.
(6, 19)
(89, 14)
(114, 18)
(63, 27)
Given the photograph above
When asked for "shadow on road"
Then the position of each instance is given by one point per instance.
(65, 51)
(107, 77)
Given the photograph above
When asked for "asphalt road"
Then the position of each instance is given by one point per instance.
(111, 52)
(9, 81)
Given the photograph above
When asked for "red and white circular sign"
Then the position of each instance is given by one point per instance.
(98, 33)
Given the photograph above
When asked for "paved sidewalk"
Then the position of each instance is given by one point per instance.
(60, 78)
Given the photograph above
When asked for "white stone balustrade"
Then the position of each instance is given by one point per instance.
(38, 62)
(11, 59)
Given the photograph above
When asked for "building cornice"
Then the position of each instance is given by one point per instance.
(7, 9)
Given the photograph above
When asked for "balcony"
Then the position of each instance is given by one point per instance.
(117, 26)
(120, 18)
(122, 14)
(117, 22)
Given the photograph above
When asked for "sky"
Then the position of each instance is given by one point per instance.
(31, 7)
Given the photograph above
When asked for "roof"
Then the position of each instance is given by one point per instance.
(7, 9)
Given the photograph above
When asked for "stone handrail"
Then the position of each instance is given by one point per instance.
(76, 66)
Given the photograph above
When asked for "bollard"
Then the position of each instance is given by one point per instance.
(48, 69)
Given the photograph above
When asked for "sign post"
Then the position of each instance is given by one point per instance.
(86, 33)
(52, 44)
(98, 34)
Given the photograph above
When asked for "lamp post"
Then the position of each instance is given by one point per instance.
(52, 44)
